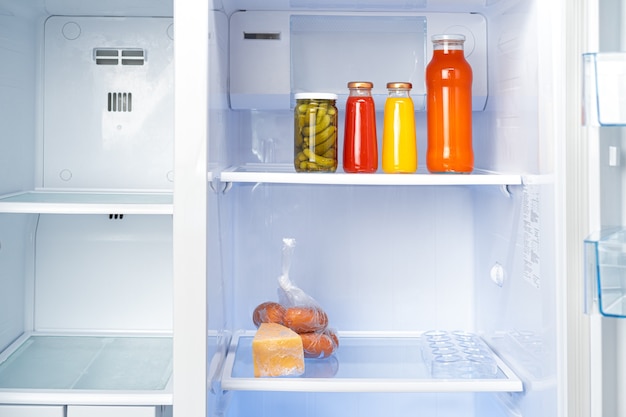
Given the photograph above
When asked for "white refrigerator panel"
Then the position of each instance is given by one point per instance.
(287, 49)
(369, 270)
(108, 100)
(103, 274)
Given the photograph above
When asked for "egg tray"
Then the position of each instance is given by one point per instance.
(457, 355)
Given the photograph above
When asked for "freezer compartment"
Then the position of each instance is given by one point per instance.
(605, 273)
(87, 369)
(604, 89)
(274, 55)
(366, 362)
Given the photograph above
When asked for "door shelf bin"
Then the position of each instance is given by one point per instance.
(364, 362)
(605, 273)
(604, 89)
(88, 370)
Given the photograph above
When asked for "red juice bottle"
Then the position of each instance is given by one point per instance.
(360, 149)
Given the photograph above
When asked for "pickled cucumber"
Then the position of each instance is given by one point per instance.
(315, 136)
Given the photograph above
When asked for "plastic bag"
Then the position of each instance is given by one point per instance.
(298, 311)
(289, 295)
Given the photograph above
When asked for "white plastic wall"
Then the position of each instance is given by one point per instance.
(18, 40)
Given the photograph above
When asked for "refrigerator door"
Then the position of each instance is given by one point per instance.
(603, 128)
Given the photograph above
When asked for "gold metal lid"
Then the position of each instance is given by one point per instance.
(360, 84)
(400, 85)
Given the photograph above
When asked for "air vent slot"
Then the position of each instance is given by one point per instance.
(128, 56)
(264, 36)
(120, 102)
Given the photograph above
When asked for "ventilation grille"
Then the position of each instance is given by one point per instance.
(120, 102)
(108, 56)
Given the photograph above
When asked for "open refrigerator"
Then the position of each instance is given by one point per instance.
(147, 184)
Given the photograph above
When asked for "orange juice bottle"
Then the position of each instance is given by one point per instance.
(449, 107)
(399, 140)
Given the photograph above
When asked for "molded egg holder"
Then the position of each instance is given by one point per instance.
(457, 355)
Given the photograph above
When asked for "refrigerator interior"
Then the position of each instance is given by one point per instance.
(388, 257)
(86, 207)
(86, 99)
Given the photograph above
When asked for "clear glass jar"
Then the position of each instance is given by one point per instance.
(399, 138)
(360, 149)
(315, 132)
(449, 107)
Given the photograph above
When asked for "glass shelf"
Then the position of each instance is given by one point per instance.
(364, 362)
(605, 273)
(285, 173)
(604, 89)
(87, 202)
(87, 369)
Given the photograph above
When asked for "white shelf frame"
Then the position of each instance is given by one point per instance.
(87, 202)
(286, 174)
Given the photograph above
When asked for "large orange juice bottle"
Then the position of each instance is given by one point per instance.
(399, 140)
(449, 107)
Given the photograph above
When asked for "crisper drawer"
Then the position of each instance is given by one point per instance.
(81, 411)
(605, 273)
(32, 411)
(108, 411)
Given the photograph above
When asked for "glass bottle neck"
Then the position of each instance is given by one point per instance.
(360, 92)
(398, 93)
(447, 45)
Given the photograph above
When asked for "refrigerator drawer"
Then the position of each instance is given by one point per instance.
(605, 273)
(32, 411)
(107, 411)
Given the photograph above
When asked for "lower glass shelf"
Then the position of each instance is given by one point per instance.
(364, 362)
(86, 369)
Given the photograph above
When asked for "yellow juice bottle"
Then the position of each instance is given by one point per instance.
(399, 140)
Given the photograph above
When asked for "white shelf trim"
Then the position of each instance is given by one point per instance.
(87, 202)
(285, 173)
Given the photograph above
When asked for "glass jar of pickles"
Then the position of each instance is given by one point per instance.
(315, 132)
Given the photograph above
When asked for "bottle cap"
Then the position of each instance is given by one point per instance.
(400, 85)
(360, 84)
(450, 37)
(319, 96)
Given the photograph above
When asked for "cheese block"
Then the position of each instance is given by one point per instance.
(277, 351)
